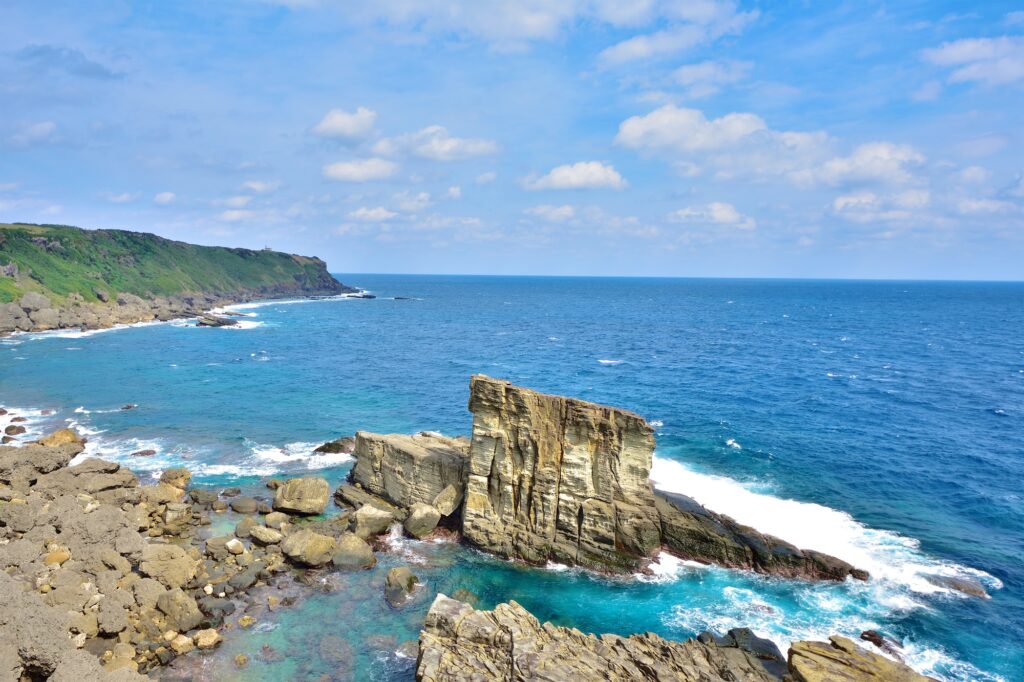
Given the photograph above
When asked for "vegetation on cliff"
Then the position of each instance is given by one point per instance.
(59, 261)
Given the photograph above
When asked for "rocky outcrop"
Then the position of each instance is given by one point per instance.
(460, 643)
(553, 478)
(405, 470)
(548, 478)
(841, 659)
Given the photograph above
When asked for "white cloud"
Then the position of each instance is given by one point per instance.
(581, 175)
(871, 207)
(985, 206)
(454, 192)
(974, 175)
(122, 198)
(412, 202)
(737, 144)
(344, 124)
(372, 215)
(434, 142)
(360, 170)
(486, 178)
(240, 201)
(260, 186)
(690, 24)
(707, 78)
(715, 213)
(164, 198)
(990, 61)
(552, 214)
(236, 215)
(1014, 18)
(874, 162)
(34, 133)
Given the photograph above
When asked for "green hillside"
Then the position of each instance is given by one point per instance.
(58, 260)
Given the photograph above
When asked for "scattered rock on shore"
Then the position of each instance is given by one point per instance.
(398, 585)
(302, 496)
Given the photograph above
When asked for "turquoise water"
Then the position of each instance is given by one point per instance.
(881, 422)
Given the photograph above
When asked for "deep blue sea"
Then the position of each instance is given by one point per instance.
(882, 422)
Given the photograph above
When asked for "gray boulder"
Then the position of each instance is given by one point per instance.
(353, 553)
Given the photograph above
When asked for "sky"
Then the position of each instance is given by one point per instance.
(602, 137)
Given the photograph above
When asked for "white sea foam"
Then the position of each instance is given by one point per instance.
(610, 362)
(300, 453)
(656, 423)
(888, 556)
(733, 444)
(667, 568)
(286, 301)
(83, 333)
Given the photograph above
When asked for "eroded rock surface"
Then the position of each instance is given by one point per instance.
(841, 659)
(404, 469)
(460, 643)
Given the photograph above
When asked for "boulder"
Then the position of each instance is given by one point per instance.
(422, 520)
(346, 446)
(244, 505)
(302, 496)
(368, 521)
(207, 639)
(353, 553)
(177, 477)
(841, 659)
(448, 500)
(406, 469)
(265, 536)
(398, 585)
(180, 609)
(169, 564)
(61, 437)
(307, 548)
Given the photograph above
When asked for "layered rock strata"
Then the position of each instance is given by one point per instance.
(460, 643)
(548, 478)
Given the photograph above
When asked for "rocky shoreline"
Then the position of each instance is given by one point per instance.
(36, 313)
(104, 578)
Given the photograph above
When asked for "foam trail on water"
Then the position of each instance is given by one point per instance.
(887, 555)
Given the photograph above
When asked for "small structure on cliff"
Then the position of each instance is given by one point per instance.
(545, 477)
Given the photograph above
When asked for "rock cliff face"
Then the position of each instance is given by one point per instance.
(460, 643)
(558, 478)
(553, 478)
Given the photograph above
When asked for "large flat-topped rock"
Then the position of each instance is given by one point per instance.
(558, 478)
(406, 469)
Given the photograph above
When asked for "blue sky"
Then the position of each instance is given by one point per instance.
(705, 138)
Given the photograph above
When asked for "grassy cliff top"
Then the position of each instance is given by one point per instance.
(58, 260)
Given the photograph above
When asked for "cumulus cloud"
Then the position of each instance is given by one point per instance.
(689, 25)
(345, 124)
(360, 170)
(716, 213)
(454, 192)
(737, 144)
(372, 215)
(989, 61)
(874, 162)
(240, 201)
(260, 186)
(552, 214)
(986, 206)
(707, 78)
(435, 143)
(581, 175)
(121, 198)
(412, 202)
(34, 133)
(872, 207)
(486, 178)
(235, 215)
(164, 198)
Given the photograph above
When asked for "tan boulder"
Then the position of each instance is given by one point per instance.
(302, 496)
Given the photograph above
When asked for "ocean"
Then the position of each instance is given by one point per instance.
(882, 422)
